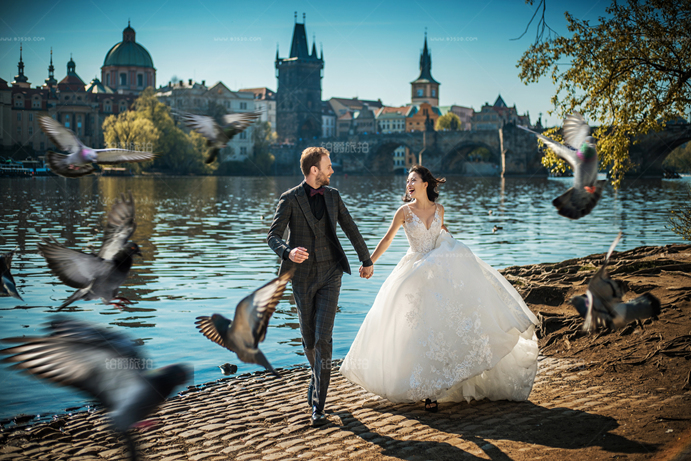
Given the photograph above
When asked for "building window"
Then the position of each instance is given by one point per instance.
(243, 105)
(140, 80)
(107, 79)
(434, 92)
(419, 92)
(243, 151)
(37, 103)
(31, 131)
(19, 116)
(123, 79)
(31, 117)
(19, 131)
(107, 108)
(243, 135)
(18, 102)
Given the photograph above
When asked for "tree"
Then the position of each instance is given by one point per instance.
(178, 152)
(680, 219)
(128, 131)
(628, 74)
(261, 160)
(448, 121)
(679, 159)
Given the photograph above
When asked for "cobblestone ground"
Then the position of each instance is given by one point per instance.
(257, 417)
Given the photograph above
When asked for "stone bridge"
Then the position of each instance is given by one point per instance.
(512, 152)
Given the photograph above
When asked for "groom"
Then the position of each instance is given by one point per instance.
(311, 211)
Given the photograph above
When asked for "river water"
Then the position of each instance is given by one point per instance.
(204, 248)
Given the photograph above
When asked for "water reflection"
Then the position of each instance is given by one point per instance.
(204, 248)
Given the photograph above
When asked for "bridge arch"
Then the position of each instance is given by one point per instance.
(458, 160)
(381, 157)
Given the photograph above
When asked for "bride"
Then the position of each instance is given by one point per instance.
(445, 325)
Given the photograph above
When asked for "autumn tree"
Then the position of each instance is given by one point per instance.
(627, 74)
(448, 122)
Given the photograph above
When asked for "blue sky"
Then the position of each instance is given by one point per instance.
(371, 48)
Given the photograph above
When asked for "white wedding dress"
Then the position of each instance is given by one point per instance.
(444, 326)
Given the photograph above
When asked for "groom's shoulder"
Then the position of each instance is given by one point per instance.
(292, 191)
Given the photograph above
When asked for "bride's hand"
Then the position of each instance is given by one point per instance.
(366, 272)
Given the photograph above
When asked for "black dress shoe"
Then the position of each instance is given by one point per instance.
(318, 418)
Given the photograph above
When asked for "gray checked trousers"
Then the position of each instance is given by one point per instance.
(316, 295)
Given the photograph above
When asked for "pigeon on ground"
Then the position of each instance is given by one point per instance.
(228, 369)
(602, 304)
(101, 362)
(8, 287)
(97, 276)
(217, 137)
(580, 152)
(249, 325)
(79, 160)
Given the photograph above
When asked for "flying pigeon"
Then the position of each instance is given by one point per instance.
(79, 160)
(97, 276)
(580, 152)
(248, 327)
(602, 304)
(216, 136)
(101, 362)
(8, 286)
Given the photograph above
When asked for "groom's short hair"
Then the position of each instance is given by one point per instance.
(311, 157)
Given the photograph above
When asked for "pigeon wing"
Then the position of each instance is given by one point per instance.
(62, 137)
(206, 126)
(576, 130)
(237, 122)
(119, 228)
(59, 165)
(561, 150)
(74, 268)
(643, 307)
(215, 328)
(253, 313)
(115, 156)
(76, 354)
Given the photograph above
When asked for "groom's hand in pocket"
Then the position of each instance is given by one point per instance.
(298, 255)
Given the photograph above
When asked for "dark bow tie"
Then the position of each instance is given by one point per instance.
(319, 191)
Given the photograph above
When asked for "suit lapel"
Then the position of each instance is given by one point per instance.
(305, 206)
(330, 207)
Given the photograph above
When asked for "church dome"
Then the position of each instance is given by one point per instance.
(128, 52)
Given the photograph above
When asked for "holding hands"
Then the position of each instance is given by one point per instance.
(366, 272)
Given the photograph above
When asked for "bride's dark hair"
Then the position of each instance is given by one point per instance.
(428, 177)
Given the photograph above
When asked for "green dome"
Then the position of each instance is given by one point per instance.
(128, 52)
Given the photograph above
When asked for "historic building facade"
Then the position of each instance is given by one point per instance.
(264, 102)
(497, 115)
(299, 92)
(128, 67)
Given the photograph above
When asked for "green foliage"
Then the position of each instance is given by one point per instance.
(479, 154)
(448, 122)
(631, 71)
(128, 131)
(679, 159)
(178, 152)
(680, 219)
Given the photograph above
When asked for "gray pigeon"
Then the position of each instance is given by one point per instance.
(97, 276)
(216, 136)
(249, 325)
(79, 160)
(101, 362)
(602, 304)
(580, 152)
(8, 287)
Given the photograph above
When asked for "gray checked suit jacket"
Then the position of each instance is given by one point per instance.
(293, 211)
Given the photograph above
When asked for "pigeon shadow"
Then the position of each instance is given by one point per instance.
(476, 422)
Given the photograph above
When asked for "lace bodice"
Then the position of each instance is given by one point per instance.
(421, 239)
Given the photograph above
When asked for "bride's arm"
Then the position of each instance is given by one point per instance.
(384, 243)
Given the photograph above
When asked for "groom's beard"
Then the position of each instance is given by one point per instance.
(322, 179)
